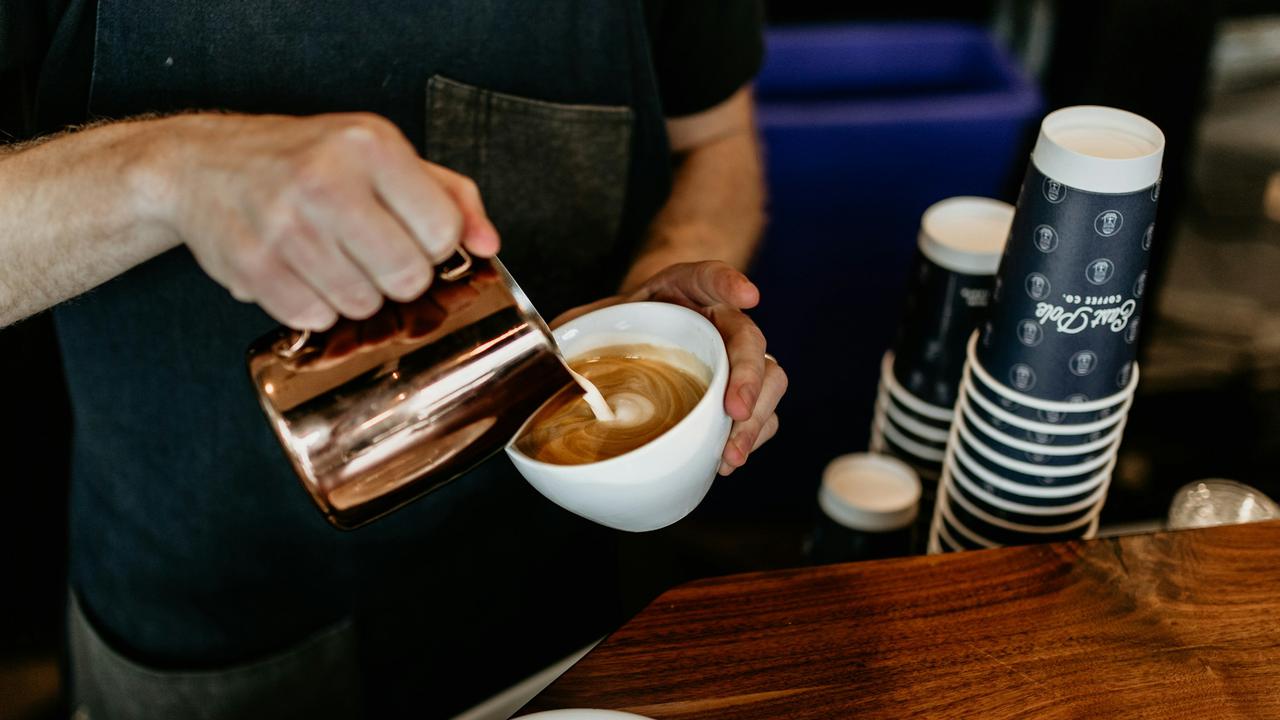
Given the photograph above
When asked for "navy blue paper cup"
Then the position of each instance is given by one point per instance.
(960, 243)
(1076, 409)
(1041, 433)
(954, 512)
(1073, 277)
(908, 404)
(1026, 475)
(952, 538)
(1025, 484)
(1003, 507)
(1023, 457)
(1012, 498)
(1028, 450)
(901, 444)
(930, 433)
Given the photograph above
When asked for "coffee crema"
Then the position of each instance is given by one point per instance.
(649, 389)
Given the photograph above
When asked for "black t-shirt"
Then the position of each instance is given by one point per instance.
(703, 50)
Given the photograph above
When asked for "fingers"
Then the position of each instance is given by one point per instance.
(747, 436)
(702, 284)
(292, 302)
(320, 263)
(479, 236)
(745, 345)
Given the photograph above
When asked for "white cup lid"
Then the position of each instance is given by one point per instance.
(1099, 149)
(866, 491)
(966, 234)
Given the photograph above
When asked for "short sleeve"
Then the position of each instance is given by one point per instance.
(703, 50)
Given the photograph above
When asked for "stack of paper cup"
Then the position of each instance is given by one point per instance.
(960, 243)
(1049, 378)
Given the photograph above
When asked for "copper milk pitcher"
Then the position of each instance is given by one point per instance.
(376, 413)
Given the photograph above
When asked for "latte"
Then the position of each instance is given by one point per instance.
(648, 389)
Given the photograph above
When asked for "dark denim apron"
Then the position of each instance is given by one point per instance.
(197, 558)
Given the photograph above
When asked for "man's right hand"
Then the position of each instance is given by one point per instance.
(310, 217)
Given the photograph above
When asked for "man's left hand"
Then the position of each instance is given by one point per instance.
(756, 382)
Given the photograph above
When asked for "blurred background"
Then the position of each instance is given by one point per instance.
(870, 113)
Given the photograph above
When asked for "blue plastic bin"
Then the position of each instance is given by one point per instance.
(864, 127)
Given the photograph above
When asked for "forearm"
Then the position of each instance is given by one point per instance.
(75, 212)
(716, 208)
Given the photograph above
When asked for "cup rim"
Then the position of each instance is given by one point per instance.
(1033, 469)
(999, 388)
(957, 454)
(719, 370)
(892, 435)
(963, 480)
(944, 509)
(909, 401)
(968, 415)
(941, 248)
(1080, 170)
(947, 543)
(1019, 527)
(910, 424)
(967, 389)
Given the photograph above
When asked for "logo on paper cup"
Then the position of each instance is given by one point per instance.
(1146, 236)
(1022, 377)
(1036, 457)
(1077, 398)
(1038, 286)
(1125, 374)
(1082, 363)
(1051, 416)
(1039, 437)
(1140, 285)
(1155, 189)
(1131, 332)
(1099, 271)
(1046, 239)
(1108, 222)
(987, 329)
(1054, 191)
(1030, 333)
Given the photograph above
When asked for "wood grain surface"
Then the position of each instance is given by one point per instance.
(1169, 625)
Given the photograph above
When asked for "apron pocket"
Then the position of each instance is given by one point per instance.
(553, 178)
(317, 678)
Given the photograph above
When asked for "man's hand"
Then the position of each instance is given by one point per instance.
(756, 381)
(311, 217)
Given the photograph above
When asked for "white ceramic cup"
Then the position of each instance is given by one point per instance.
(664, 480)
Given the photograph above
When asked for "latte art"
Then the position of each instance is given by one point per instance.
(648, 389)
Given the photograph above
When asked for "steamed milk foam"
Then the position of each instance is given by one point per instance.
(640, 392)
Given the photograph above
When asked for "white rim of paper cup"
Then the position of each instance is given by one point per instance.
(1048, 492)
(1033, 469)
(945, 508)
(960, 478)
(1019, 527)
(851, 516)
(1092, 532)
(945, 542)
(968, 415)
(909, 401)
(951, 239)
(957, 455)
(966, 388)
(1059, 157)
(1035, 403)
(923, 452)
(910, 424)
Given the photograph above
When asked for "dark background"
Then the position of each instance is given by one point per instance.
(1163, 47)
